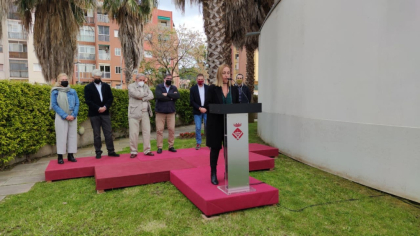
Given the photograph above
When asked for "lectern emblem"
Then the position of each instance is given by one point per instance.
(237, 133)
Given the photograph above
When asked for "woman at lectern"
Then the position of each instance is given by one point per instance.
(65, 103)
(221, 92)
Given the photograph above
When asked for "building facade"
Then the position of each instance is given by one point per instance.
(98, 47)
(239, 64)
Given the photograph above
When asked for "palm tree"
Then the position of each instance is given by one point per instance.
(4, 9)
(55, 31)
(131, 16)
(214, 28)
(246, 16)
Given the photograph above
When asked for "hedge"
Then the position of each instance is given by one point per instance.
(27, 124)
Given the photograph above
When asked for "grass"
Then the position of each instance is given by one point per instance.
(312, 202)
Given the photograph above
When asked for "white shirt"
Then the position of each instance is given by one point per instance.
(99, 88)
(167, 89)
(202, 95)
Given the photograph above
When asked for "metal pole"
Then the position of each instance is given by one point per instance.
(121, 69)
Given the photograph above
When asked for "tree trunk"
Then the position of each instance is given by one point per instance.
(250, 68)
(214, 25)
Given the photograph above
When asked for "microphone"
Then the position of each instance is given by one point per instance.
(230, 89)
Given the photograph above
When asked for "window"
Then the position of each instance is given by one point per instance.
(86, 34)
(89, 16)
(106, 71)
(86, 52)
(84, 70)
(19, 69)
(17, 47)
(117, 51)
(163, 23)
(103, 33)
(15, 31)
(116, 33)
(118, 70)
(148, 54)
(104, 53)
(37, 67)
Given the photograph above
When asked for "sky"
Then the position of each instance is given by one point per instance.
(192, 18)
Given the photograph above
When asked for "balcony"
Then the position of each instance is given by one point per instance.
(103, 37)
(18, 55)
(106, 75)
(104, 56)
(19, 74)
(13, 16)
(18, 35)
(103, 18)
(86, 56)
(86, 38)
(90, 19)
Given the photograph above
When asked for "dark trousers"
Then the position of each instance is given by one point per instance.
(97, 122)
(214, 156)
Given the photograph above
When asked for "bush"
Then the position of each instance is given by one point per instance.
(27, 124)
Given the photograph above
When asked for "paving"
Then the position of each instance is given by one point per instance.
(21, 178)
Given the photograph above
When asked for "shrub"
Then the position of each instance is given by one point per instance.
(27, 124)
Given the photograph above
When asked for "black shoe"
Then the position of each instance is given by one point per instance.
(60, 159)
(172, 149)
(159, 151)
(70, 157)
(98, 155)
(214, 176)
(113, 154)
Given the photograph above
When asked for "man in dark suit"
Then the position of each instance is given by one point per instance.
(197, 100)
(98, 97)
(243, 90)
(166, 95)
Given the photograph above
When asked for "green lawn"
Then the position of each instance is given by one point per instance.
(312, 202)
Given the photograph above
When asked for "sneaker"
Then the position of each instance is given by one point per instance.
(197, 147)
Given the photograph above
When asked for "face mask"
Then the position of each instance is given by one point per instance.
(64, 83)
(200, 82)
(97, 81)
(168, 82)
(238, 81)
(141, 83)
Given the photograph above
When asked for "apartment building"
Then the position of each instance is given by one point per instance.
(239, 63)
(98, 47)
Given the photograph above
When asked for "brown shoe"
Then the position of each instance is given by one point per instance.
(133, 155)
(149, 154)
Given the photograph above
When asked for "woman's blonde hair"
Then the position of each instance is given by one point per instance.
(58, 83)
(219, 76)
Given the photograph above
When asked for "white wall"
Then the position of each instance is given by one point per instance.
(340, 85)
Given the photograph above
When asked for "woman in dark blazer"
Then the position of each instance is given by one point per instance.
(222, 92)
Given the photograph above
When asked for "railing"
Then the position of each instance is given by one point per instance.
(103, 18)
(104, 56)
(106, 75)
(90, 19)
(86, 56)
(103, 37)
(83, 75)
(13, 16)
(17, 35)
(20, 55)
(86, 38)
(20, 74)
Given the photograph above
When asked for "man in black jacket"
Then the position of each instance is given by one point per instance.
(98, 97)
(243, 90)
(197, 100)
(166, 95)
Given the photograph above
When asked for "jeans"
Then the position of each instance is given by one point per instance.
(198, 119)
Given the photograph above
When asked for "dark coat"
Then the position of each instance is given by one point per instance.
(195, 100)
(93, 99)
(215, 122)
(245, 94)
(166, 104)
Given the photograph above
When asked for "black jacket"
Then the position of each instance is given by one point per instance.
(195, 100)
(245, 94)
(166, 104)
(215, 122)
(93, 99)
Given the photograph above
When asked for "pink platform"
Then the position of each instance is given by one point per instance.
(188, 169)
(195, 185)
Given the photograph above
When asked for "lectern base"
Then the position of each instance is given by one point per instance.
(229, 191)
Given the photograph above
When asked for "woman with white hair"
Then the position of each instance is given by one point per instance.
(65, 102)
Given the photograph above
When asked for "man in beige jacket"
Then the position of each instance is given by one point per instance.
(139, 110)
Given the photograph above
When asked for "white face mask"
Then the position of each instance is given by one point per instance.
(141, 83)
